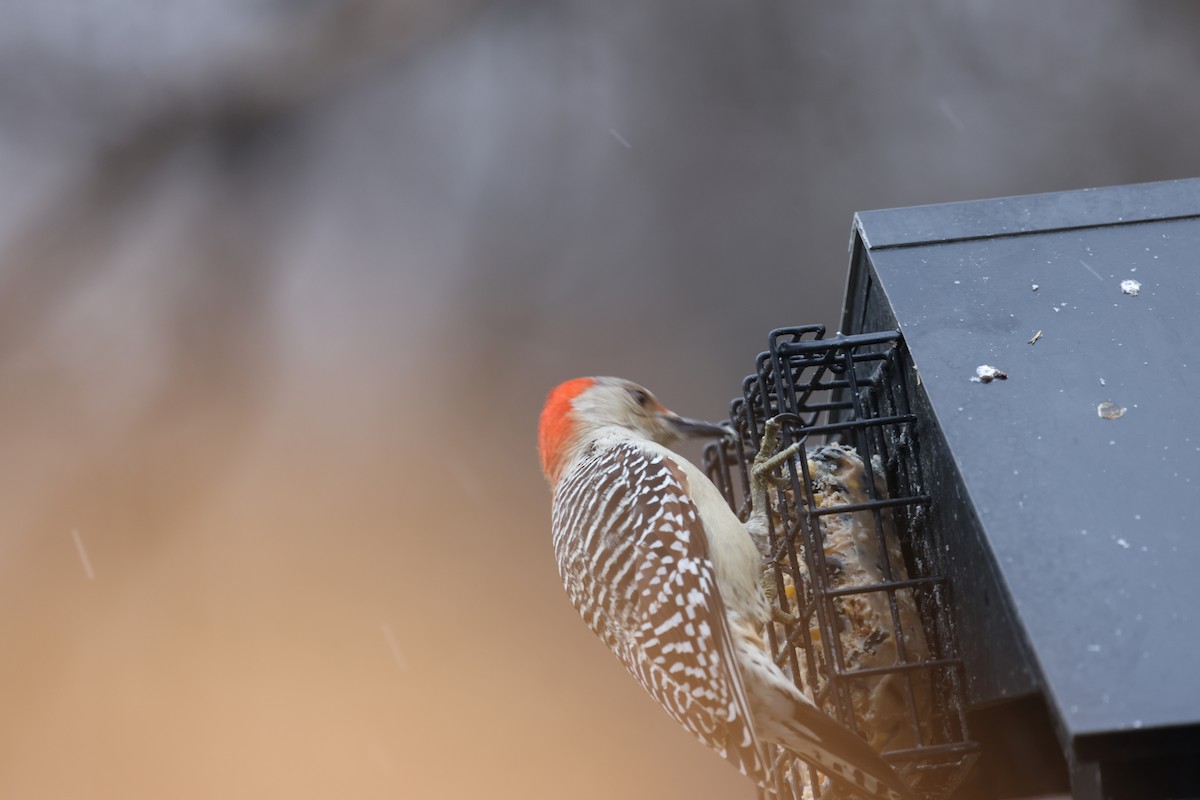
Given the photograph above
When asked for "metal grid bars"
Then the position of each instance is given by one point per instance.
(868, 636)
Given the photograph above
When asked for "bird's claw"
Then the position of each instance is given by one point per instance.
(771, 591)
(766, 461)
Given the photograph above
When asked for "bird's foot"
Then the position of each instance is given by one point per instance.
(770, 588)
(762, 478)
(768, 459)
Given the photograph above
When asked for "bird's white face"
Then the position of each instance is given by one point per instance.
(625, 404)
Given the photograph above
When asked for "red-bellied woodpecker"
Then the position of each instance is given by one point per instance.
(666, 575)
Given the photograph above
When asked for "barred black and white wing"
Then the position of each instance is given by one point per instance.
(635, 561)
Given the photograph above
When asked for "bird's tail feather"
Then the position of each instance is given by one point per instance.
(837, 752)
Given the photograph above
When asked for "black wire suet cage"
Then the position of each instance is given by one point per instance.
(871, 643)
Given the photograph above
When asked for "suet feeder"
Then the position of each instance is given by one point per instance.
(1022, 376)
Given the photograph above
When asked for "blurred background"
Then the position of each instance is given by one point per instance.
(284, 284)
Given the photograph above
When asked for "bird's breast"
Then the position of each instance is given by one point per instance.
(734, 555)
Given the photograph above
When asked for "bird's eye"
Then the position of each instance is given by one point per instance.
(640, 397)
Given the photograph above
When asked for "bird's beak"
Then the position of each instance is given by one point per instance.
(696, 429)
